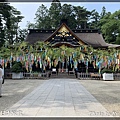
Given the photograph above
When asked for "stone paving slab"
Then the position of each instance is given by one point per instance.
(59, 97)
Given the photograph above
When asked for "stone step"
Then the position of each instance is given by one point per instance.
(63, 75)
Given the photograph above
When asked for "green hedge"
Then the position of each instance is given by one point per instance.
(107, 71)
(17, 67)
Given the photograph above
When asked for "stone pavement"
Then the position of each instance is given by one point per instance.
(58, 97)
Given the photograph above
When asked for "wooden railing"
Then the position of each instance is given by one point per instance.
(95, 76)
(30, 75)
(83, 75)
(89, 76)
(116, 76)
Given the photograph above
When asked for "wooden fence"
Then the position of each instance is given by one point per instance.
(89, 76)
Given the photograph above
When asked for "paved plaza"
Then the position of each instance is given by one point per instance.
(58, 97)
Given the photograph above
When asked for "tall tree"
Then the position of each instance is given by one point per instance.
(30, 25)
(4, 21)
(22, 34)
(116, 32)
(82, 16)
(67, 13)
(41, 15)
(94, 20)
(55, 14)
(110, 27)
(103, 13)
(14, 19)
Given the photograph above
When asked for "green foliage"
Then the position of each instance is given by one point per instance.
(118, 39)
(95, 17)
(5, 52)
(4, 17)
(107, 71)
(54, 15)
(22, 33)
(2, 36)
(110, 26)
(9, 19)
(103, 13)
(67, 13)
(41, 16)
(17, 67)
(77, 16)
(30, 25)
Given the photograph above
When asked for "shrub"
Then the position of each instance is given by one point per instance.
(17, 67)
(107, 71)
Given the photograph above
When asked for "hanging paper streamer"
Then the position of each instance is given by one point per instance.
(62, 64)
(75, 54)
(114, 58)
(117, 61)
(28, 57)
(75, 64)
(11, 57)
(14, 58)
(105, 64)
(23, 58)
(20, 58)
(5, 62)
(94, 57)
(2, 62)
(115, 55)
(26, 65)
(87, 63)
(70, 59)
(119, 56)
(30, 67)
(83, 58)
(44, 65)
(98, 64)
(94, 64)
(38, 59)
(32, 57)
(35, 58)
(59, 59)
(40, 63)
(17, 59)
(48, 59)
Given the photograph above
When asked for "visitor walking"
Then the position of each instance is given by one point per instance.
(1, 80)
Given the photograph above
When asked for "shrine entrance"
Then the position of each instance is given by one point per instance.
(67, 43)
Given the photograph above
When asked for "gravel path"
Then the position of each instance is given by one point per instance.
(106, 92)
(14, 90)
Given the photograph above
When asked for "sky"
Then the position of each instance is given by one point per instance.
(29, 9)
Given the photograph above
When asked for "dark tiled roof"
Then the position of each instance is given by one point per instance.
(89, 37)
(63, 24)
(34, 37)
(94, 39)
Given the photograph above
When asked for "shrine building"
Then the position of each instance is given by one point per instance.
(63, 35)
